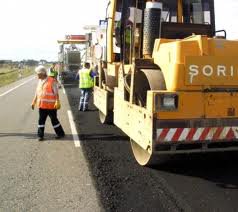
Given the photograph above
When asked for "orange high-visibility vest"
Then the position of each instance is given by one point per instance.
(46, 98)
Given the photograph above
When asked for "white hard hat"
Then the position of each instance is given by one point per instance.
(40, 69)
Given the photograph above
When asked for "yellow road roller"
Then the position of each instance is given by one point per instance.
(167, 78)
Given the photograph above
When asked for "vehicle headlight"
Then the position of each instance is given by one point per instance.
(166, 102)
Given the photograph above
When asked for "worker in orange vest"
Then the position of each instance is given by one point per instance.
(47, 100)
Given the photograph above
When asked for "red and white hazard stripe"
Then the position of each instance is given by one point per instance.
(197, 134)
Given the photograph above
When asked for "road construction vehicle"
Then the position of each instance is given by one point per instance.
(69, 55)
(173, 87)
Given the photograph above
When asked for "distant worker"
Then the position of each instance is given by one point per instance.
(86, 76)
(53, 71)
(20, 70)
(47, 100)
(187, 11)
(128, 25)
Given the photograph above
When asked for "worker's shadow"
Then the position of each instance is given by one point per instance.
(219, 168)
(102, 136)
(89, 110)
(33, 136)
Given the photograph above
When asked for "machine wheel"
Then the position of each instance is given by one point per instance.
(144, 158)
(145, 80)
(105, 119)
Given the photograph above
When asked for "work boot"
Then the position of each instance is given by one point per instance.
(58, 137)
(85, 109)
(40, 139)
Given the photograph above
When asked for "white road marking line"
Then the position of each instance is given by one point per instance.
(63, 90)
(12, 89)
(77, 142)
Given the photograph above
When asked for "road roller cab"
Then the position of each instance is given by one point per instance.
(170, 79)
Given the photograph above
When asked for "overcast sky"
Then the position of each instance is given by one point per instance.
(30, 28)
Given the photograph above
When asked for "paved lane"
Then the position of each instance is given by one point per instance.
(48, 176)
(200, 183)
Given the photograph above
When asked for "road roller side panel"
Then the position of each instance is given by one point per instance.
(173, 136)
(101, 99)
(197, 63)
(200, 134)
(135, 121)
(196, 135)
(194, 105)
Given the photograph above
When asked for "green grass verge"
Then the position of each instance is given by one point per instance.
(12, 76)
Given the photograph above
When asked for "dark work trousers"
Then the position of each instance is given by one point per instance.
(43, 114)
(84, 98)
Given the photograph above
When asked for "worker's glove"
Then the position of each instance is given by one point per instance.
(33, 105)
(57, 105)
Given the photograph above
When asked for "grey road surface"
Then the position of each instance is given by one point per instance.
(102, 174)
(40, 176)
